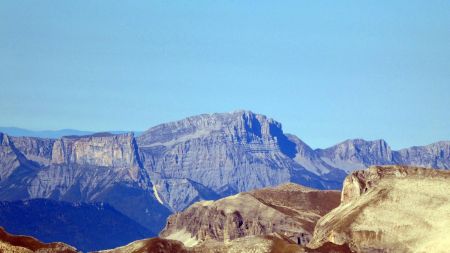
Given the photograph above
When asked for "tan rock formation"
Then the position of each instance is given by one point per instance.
(273, 243)
(25, 244)
(290, 210)
(151, 245)
(390, 209)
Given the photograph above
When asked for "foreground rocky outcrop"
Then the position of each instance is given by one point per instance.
(273, 243)
(25, 244)
(290, 210)
(390, 209)
(151, 245)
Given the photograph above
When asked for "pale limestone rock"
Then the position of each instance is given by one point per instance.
(290, 210)
(390, 209)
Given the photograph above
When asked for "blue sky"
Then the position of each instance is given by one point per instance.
(327, 70)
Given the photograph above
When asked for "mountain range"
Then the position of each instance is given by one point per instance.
(171, 166)
(380, 209)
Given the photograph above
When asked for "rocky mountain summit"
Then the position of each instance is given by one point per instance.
(390, 209)
(290, 210)
(225, 153)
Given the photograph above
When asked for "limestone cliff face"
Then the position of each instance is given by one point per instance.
(290, 210)
(34, 149)
(85, 163)
(94, 168)
(112, 151)
(8, 157)
(390, 209)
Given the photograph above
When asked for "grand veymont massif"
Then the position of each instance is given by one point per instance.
(224, 182)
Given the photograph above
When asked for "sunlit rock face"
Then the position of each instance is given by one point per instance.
(290, 210)
(95, 168)
(390, 209)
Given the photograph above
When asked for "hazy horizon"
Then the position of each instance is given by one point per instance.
(326, 71)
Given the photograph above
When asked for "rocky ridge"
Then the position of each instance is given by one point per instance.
(290, 210)
(229, 153)
(25, 244)
(95, 168)
(226, 153)
(390, 209)
(273, 243)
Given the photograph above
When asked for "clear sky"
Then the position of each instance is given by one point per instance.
(327, 70)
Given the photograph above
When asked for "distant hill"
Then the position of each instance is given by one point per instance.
(52, 134)
(86, 226)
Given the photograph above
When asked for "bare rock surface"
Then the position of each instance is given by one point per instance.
(290, 209)
(273, 243)
(390, 209)
(95, 168)
(151, 245)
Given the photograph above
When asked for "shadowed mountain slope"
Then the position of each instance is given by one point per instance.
(86, 226)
